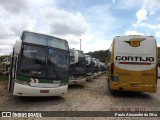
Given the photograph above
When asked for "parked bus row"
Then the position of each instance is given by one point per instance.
(83, 67)
(43, 65)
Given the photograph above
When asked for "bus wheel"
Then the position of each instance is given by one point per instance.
(108, 87)
(110, 91)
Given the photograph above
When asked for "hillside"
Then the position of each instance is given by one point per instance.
(101, 55)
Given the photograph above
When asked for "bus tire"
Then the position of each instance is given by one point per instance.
(112, 92)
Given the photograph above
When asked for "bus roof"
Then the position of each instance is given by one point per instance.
(24, 32)
(133, 36)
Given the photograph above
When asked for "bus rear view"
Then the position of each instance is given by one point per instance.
(133, 64)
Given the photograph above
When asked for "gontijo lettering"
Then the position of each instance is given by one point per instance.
(134, 58)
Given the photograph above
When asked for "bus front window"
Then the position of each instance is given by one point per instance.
(72, 57)
(32, 61)
(81, 59)
(57, 64)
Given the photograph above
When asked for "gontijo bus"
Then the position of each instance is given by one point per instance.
(39, 66)
(132, 64)
(158, 48)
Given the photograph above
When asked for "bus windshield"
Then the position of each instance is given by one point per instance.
(81, 57)
(80, 54)
(42, 62)
(71, 56)
(57, 64)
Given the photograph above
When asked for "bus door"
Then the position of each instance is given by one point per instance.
(12, 72)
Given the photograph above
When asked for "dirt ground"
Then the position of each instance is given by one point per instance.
(93, 96)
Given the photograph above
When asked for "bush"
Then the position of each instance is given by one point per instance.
(3, 78)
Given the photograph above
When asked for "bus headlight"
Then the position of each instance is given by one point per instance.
(22, 82)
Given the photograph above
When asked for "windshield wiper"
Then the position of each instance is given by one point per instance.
(55, 71)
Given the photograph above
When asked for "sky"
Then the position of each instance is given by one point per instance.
(95, 22)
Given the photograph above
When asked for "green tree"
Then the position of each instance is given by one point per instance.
(101, 55)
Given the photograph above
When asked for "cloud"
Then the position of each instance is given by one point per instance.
(141, 15)
(157, 34)
(5, 31)
(96, 45)
(148, 9)
(147, 25)
(12, 26)
(125, 4)
(5, 49)
(65, 23)
(152, 6)
(6, 45)
(129, 32)
(113, 1)
(14, 6)
(24, 22)
(40, 16)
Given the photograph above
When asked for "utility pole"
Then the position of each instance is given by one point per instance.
(80, 44)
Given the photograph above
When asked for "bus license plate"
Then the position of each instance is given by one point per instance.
(134, 85)
(44, 91)
(74, 81)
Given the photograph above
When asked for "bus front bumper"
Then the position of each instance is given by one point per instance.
(95, 75)
(134, 87)
(79, 81)
(25, 90)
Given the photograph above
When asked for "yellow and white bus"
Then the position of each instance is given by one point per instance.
(158, 61)
(132, 64)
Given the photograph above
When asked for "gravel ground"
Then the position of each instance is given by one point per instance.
(93, 96)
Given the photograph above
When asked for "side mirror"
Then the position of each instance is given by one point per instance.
(89, 61)
(75, 56)
(94, 63)
(17, 47)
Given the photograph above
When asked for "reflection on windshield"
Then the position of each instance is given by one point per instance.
(34, 62)
(57, 64)
(80, 54)
(71, 57)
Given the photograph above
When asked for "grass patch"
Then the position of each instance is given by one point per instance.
(3, 78)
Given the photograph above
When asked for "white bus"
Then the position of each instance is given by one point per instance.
(39, 66)
(77, 70)
(95, 67)
(89, 67)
